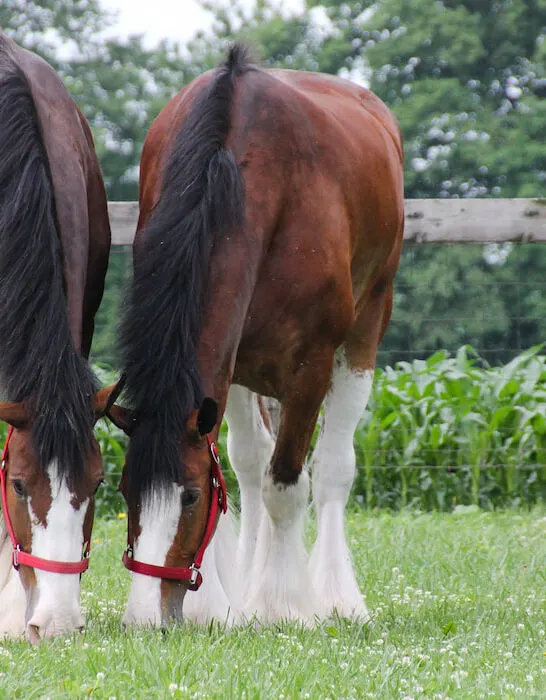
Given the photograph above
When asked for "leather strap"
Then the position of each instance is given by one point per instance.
(190, 574)
(19, 557)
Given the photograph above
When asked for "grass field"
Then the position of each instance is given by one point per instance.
(459, 610)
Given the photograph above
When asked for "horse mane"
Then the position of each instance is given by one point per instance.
(38, 361)
(202, 196)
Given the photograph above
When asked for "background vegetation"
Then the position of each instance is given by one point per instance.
(466, 79)
(438, 434)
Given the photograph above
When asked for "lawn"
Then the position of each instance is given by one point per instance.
(458, 603)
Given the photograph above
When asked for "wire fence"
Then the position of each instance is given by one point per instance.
(490, 296)
(435, 433)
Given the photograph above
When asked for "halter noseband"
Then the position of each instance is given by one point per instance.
(191, 574)
(21, 557)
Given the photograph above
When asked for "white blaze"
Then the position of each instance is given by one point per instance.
(159, 518)
(57, 596)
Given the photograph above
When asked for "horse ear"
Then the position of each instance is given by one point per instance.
(207, 416)
(121, 417)
(14, 413)
(103, 406)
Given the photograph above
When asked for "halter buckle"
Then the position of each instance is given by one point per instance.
(15, 560)
(214, 451)
(194, 574)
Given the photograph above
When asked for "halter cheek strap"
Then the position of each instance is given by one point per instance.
(190, 574)
(19, 556)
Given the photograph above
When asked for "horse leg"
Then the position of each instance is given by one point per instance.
(250, 446)
(333, 462)
(215, 598)
(280, 587)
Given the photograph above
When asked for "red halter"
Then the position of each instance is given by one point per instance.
(191, 574)
(20, 557)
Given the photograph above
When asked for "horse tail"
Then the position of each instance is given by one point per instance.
(39, 363)
(202, 196)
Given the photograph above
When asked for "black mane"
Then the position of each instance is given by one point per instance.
(202, 196)
(38, 362)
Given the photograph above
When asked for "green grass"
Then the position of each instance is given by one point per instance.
(459, 610)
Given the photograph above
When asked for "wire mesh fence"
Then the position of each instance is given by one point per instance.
(444, 426)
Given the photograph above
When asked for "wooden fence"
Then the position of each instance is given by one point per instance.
(427, 221)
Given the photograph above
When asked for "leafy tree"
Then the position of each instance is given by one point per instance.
(41, 25)
(466, 80)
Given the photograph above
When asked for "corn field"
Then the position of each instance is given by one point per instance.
(438, 433)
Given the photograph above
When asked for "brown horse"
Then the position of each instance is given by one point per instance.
(271, 221)
(54, 246)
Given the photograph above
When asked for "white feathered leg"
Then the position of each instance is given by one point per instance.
(212, 601)
(250, 446)
(333, 471)
(280, 587)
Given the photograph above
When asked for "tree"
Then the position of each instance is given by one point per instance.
(466, 79)
(43, 25)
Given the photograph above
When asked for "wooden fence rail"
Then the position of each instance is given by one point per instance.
(427, 221)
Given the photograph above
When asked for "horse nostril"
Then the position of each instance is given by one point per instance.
(34, 634)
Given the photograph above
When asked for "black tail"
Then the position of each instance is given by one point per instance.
(38, 361)
(202, 196)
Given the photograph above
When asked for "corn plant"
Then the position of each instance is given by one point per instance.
(438, 433)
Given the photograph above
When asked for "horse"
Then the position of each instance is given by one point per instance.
(270, 230)
(54, 248)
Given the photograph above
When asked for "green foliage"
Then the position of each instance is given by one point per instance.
(437, 434)
(40, 25)
(458, 610)
(466, 80)
(450, 431)
(120, 85)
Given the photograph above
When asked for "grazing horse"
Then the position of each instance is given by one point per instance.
(54, 246)
(271, 221)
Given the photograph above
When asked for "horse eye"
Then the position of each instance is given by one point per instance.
(19, 488)
(190, 497)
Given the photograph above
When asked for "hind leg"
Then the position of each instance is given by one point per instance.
(333, 462)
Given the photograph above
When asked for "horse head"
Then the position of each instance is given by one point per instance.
(48, 514)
